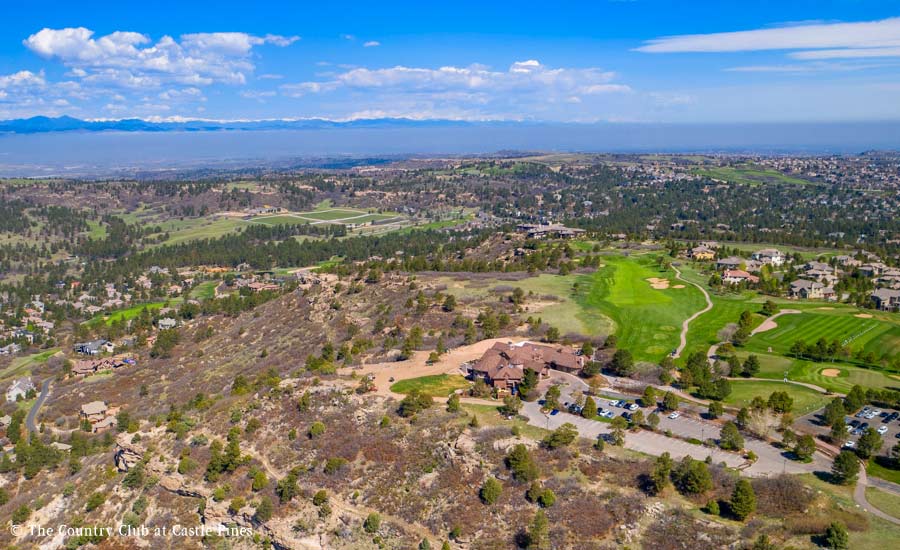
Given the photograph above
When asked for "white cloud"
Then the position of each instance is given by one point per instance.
(188, 94)
(348, 37)
(372, 44)
(816, 67)
(22, 79)
(130, 59)
(522, 76)
(525, 89)
(848, 53)
(870, 34)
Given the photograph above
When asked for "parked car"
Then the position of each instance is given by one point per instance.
(554, 412)
(882, 430)
(850, 444)
(674, 415)
(633, 407)
(609, 414)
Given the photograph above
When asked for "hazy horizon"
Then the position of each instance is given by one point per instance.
(101, 153)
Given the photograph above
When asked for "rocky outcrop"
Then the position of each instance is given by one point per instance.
(126, 454)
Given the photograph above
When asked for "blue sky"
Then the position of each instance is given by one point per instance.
(635, 61)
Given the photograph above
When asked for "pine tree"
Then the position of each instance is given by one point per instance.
(743, 500)
(590, 408)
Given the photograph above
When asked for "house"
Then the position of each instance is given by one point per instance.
(11, 349)
(738, 276)
(98, 415)
(19, 389)
(702, 253)
(23, 334)
(88, 367)
(886, 299)
(167, 323)
(805, 289)
(770, 256)
(847, 261)
(731, 262)
(539, 231)
(503, 365)
(94, 347)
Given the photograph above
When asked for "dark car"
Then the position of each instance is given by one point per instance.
(554, 412)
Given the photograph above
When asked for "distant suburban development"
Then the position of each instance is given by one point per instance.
(591, 351)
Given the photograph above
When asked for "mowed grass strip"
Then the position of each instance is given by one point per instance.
(806, 400)
(840, 324)
(438, 385)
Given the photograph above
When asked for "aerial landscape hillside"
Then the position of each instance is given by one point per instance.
(610, 275)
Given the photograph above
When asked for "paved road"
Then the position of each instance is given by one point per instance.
(686, 324)
(859, 495)
(32, 414)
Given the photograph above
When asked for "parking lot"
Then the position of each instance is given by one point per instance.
(886, 421)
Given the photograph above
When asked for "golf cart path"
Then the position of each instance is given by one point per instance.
(686, 323)
(859, 495)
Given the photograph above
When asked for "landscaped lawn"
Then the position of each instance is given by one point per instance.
(439, 385)
(805, 399)
(888, 503)
(131, 312)
(876, 469)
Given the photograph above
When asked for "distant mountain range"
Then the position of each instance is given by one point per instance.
(42, 124)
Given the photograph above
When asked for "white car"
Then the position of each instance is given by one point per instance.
(609, 414)
(633, 407)
(850, 444)
(882, 430)
(870, 415)
(674, 415)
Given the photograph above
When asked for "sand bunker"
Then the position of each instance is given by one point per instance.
(825, 308)
(766, 325)
(678, 286)
(831, 373)
(657, 283)
(863, 315)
